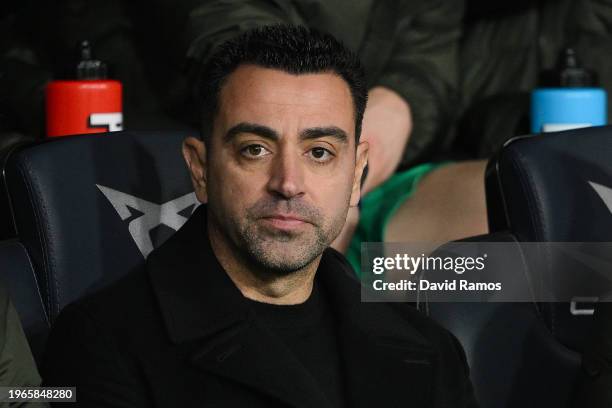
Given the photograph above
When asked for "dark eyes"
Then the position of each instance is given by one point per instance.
(255, 151)
(320, 154)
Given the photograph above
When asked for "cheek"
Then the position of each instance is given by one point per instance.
(232, 188)
(333, 195)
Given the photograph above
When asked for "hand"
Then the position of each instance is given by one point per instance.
(387, 124)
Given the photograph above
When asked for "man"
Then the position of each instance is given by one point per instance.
(246, 305)
(410, 50)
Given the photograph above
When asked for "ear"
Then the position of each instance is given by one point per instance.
(361, 162)
(194, 153)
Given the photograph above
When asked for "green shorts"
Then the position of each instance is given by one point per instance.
(380, 205)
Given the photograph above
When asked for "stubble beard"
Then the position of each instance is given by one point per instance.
(281, 253)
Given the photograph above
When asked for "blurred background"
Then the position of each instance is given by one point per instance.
(465, 68)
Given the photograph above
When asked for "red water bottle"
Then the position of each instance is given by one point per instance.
(90, 104)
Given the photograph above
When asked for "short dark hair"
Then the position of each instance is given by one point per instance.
(293, 49)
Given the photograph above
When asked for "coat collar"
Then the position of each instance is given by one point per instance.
(197, 298)
(199, 303)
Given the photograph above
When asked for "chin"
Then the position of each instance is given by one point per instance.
(285, 258)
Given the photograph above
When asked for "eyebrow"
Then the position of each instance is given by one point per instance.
(327, 131)
(269, 133)
(253, 128)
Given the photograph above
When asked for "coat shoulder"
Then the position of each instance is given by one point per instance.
(125, 306)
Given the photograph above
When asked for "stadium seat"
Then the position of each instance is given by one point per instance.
(85, 210)
(541, 188)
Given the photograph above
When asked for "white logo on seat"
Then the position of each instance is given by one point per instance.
(604, 192)
(153, 214)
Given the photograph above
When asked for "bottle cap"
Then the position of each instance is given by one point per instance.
(88, 67)
(572, 74)
(569, 73)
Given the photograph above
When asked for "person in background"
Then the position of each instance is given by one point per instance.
(39, 42)
(409, 49)
(22, 77)
(506, 47)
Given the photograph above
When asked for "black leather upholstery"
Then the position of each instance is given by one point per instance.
(514, 361)
(76, 223)
(539, 189)
(18, 276)
(553, 188)
(544, 188)
(89, 208)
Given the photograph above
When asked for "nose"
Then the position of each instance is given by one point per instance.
(287, 174)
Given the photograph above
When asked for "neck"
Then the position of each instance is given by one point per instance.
(257, 283)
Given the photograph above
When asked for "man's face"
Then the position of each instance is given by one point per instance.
(281, 167)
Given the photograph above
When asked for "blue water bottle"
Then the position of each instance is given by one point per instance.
(571, 100)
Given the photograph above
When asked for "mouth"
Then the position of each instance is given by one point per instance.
(285, 222)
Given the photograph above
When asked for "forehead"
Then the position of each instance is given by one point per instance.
(279, 99)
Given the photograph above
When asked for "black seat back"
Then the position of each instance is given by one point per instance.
(556, 187)
(542, 188)
(88, 209)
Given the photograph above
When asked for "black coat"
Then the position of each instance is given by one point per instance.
(178, 333)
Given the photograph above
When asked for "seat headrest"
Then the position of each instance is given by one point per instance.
(557, 187)
(554, 187)
(90, 208)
